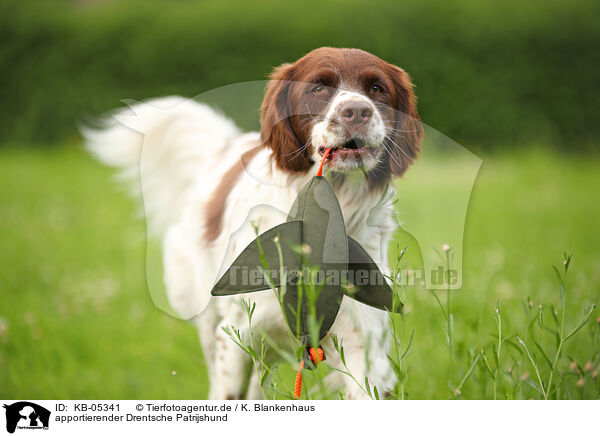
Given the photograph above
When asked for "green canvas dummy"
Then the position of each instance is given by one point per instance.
(316, 224)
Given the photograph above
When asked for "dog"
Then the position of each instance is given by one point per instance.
(208, 188)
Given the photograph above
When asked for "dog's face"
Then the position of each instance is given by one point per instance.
(346, 99)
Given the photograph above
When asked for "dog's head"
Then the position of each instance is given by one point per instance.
(349, 100)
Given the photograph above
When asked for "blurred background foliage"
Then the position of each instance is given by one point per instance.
(488, 74)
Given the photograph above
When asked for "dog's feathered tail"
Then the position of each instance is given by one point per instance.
(160, 146)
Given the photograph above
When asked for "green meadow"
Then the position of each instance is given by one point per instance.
(77, 321)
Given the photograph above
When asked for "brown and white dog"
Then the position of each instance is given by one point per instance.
(206, 185)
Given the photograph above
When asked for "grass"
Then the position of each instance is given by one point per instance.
(77, 321)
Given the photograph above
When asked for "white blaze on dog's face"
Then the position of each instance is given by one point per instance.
(348, 100)
(353, 128)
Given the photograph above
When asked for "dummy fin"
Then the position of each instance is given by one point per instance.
(369, 285)
(242, 276)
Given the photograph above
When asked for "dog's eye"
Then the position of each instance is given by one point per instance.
(376, 89)
(319, 89)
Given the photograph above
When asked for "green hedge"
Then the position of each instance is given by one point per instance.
(488, 74)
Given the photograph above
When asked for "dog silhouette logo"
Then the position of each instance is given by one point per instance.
(26, 415)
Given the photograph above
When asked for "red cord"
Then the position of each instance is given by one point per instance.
(316, 356)
(298, 382)
(320, 171)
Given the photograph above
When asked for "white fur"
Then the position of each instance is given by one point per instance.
(332, 132)
(182, 150)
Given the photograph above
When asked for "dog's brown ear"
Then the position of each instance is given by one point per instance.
(408, 135)
(277, 130)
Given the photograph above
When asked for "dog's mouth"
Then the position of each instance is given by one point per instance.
(353, 148)
(353, 144)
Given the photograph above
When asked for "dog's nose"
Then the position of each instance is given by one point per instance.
(356, 113)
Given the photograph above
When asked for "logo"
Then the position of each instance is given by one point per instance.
(26, 415)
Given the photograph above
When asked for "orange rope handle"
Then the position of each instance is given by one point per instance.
(298, 383)
(316, 356)
(320, 171)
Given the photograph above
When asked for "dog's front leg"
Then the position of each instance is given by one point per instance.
(362, 332)
(231, 363)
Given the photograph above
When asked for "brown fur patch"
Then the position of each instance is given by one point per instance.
(215, 208)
